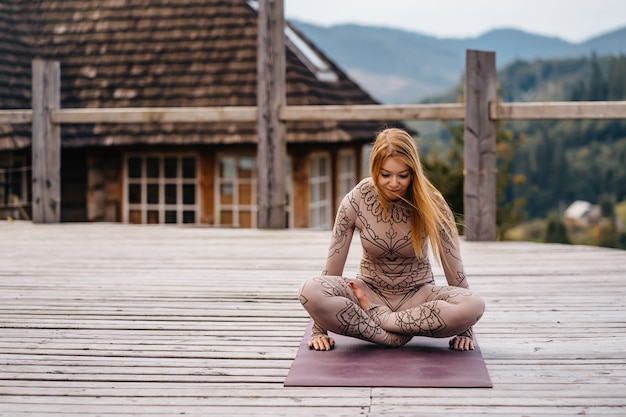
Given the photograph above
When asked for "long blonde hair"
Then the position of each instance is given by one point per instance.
(429, 211)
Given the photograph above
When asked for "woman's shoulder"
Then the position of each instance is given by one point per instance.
(363, 188)
(365, 184)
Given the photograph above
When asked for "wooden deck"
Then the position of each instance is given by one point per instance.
(111, 319)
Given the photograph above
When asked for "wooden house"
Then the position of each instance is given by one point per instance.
(158, 53)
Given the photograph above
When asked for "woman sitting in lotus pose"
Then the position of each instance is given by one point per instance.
(397, 212)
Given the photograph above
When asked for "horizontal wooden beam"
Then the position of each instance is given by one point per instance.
(16, 116)
(156, 115)
(374, 112)
(558, 110)
(249, 113)
(456, 111)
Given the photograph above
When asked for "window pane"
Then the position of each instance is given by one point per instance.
(153, 193)
(152, 167)
(227, 168)
(246, 167)
(153, 217)
(245, 194)
(189, 216)
(323, 217)
(315, 217)
(134, 216)
(347, 162)
(189, 194)
(226, 217)
(189, 167)
(323, 191)
(226, 194)
(170, 216)
(170, 193)
(134, 167)
(322, 165)
(134, 193)
(245, 219)
(314, 193)
(314, 167)
(170, 167)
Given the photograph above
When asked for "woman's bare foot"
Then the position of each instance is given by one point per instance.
(364, 302)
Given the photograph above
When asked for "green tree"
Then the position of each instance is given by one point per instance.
(616, 80)
(597, 84)
(509, 208)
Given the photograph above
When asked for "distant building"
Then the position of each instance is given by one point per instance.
(582, 212)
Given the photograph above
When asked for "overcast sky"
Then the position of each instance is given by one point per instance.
(571, 20)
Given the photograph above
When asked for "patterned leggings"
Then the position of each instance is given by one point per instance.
(429, 310)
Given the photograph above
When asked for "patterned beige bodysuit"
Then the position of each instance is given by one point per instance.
(401, 286)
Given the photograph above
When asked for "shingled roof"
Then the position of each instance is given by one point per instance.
(15, 73)
(153, 53)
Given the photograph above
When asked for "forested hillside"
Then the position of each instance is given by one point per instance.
(568, 160)
(556, 162)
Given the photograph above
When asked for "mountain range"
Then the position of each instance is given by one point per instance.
(398, 66)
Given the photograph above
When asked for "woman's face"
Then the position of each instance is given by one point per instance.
(394, 178)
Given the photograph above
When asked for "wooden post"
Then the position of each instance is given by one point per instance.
(46, 143)
(272, 148)
(480, 147)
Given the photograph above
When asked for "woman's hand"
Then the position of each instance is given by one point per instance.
(461, 343)
(323, 342)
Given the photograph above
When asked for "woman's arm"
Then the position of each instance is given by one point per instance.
(343, 230)
(339, 247)
(453, 264)
(455, 275)
(451, 259)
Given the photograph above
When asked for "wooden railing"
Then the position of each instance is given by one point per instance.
(455, 111)
(355, 112)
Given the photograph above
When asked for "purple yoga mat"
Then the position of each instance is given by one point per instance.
(423, 362)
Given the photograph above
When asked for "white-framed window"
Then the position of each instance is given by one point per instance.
(236, 191)
(320, 210)
(161, 188)
(346, 161)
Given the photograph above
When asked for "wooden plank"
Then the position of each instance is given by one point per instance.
(155, 115)
(16, 116)
(508, 410)
(479, 198)
(374, 112)
(498, 110)
(46, 143)
(271, 96)
(582, 110)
